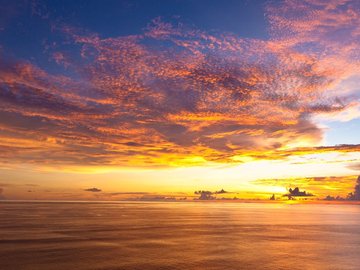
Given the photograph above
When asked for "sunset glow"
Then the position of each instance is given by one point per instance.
(167, 103)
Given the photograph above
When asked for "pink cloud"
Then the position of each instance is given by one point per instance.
(174, 92)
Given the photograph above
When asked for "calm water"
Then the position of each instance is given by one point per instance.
(178, 236)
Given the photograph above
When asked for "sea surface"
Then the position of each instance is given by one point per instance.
(170, 235)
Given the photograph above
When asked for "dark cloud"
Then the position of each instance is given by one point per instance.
(93, 189)
(296, 192)
(222, 191)
(209, 195)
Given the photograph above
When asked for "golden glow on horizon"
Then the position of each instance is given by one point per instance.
(174, 108)
(247, 180)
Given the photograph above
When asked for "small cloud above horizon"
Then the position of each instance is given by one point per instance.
(93, 189)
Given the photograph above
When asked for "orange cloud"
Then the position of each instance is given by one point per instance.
(179, 96)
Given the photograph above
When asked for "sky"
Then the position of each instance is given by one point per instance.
(110, 100)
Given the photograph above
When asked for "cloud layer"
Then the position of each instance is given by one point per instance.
(176, 95)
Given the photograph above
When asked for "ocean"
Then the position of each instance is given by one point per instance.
(175, 235)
